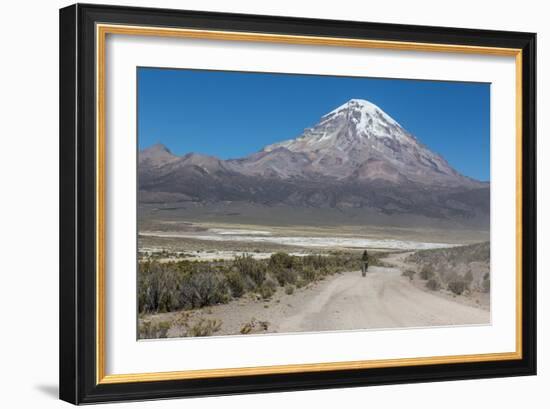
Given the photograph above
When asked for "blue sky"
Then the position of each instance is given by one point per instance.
(232, 114)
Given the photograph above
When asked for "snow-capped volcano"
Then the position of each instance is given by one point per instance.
(345, 127)
(357, 156)
(357, 140)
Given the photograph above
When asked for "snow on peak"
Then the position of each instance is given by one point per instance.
(366, 108)
(361, 104)
(344, 128)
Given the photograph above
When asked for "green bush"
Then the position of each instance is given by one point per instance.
(308, 273)
(281, 260)
(254, 269)
(204, 288)
(184, 284)
(409, 273)
(156, 289)
(153, 329)
(433, 284)
(254, 326)
(236, 283)
(284, 276)
(204, 328)
(317, 262)
(289, 289)
(457, 287)
(268, 288)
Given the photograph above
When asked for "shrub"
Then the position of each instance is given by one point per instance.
(284, 276)
(427, 272)
(247, 328)
(317, 262)
(153, 329)
(300, 282)
(255, 269)
(433, 284)
(375, 259)
(268, 288)
(457, 287)
(409, 273)
(281, 260)
(181, 320)
(144, 329)
(236, 283)
(270, 282)
(289, 289)
(254, 326)
(162, 329)
(469, 276)
(156, 289)
(308, 274)
(185, 284)
(451, 276)
(204, 288)
(204, 328)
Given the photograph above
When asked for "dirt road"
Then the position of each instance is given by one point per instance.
(383, 299)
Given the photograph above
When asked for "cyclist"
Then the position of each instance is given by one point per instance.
(365, 263)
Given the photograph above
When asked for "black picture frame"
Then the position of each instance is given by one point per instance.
(78, 360)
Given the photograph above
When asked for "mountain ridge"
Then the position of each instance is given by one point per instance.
(356, 156)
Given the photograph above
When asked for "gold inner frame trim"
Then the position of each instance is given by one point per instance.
(101, 33)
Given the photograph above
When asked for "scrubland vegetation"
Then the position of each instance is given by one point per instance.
(152, 329)
(185, 285)
(458, 269)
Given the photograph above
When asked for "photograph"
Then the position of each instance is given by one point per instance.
(260, 202)
(291, 203)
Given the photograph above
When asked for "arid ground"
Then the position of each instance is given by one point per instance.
(407, 283)
(345, 301)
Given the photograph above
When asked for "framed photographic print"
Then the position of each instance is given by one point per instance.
(258, 203)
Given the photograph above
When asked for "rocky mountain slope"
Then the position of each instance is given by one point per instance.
(356, 156)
